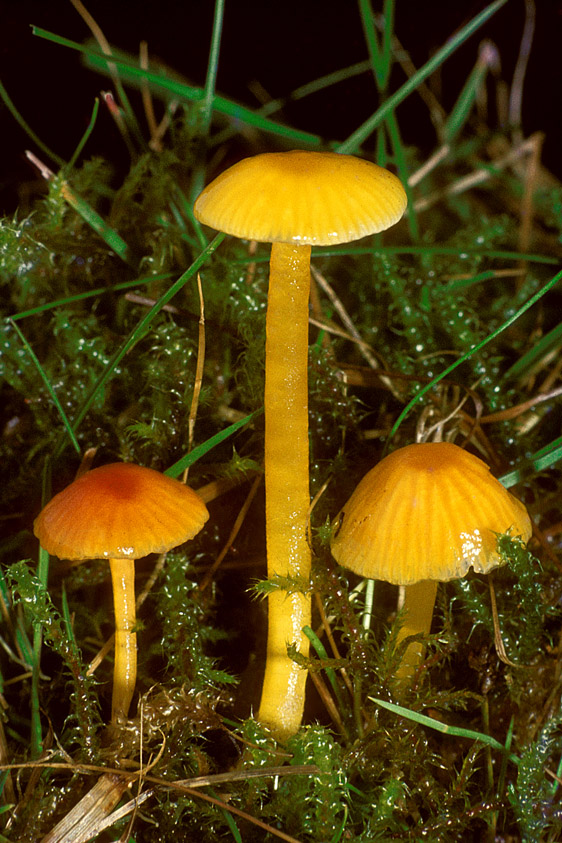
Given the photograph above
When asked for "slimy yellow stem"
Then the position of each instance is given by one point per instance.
(286, 482)
(419, 601)
(125, 666)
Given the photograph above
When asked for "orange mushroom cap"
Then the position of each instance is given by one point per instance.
(426, 512)
(119, 511)
(316, 198)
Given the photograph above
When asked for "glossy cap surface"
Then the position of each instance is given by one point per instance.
(316, 198)
(426, 512)
(118, 511)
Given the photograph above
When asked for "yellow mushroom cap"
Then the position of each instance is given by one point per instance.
(119, 511)
(316, 198)
(426, 512)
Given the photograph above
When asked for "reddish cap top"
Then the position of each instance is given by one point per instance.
(426, 512)
(119, 511)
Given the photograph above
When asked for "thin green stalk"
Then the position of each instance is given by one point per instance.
(369, 599)
(376, 251)
(463, 283)
(316, 85)
(387, 37)
(541, 460)
(23, 644)
(354, 141)
(99, 291)
(99, 225)
(50, 390)
(330, 673)
(206, 112)
(540, 348)
(36, 730)
(444, 728)
(29, 132)
(306, 90)
(186, 209)
(381, 153)
(68, 622)
(372, 40)
(127, 120)
(196, 453)
(381, 65)
(380, 47)
(86, 135)
(212, 66)
(485, 709)
(463, 106)
(503, 765)
(131, 121)
(183, 92)
(358, 706)
(422, 250)
(533, 300)
(43, 576)
(400, 158)
(136, 334)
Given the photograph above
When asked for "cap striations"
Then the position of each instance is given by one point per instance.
(316, 198)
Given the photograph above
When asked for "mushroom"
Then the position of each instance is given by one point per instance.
(294, 200)
(425, 514)
(120, 512)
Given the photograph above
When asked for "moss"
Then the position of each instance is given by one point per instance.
(355, 771)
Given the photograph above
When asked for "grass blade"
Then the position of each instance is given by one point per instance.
(113, 240)
(463, 106)
(211, 80)
(28, 130)
(377, 251)
(539, 350)
(188, 93)
(50, 390)
(322, 654)
(209, 92)
(354, 141)
(86, 135)
(528, 304)
(444, 728)
(43, 576)
(100, 291)
(542, 459)
(190, 459)
(378, 65)
(139, 332)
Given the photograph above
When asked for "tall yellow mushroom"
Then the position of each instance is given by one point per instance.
(425, 514)
(294, 200)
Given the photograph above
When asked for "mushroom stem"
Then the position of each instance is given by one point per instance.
(419, 600)
(125, 666)
(286, 483)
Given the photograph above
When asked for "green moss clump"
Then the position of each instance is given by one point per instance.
(97, 356)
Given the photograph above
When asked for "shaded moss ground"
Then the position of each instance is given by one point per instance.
(426, 295)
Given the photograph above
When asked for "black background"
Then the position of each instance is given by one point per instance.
(281, 45)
